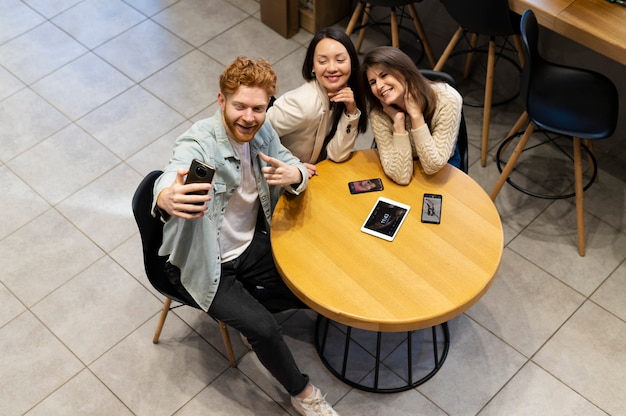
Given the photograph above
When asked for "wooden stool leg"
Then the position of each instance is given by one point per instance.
(422, 34)
(448, 51)
(491, 62)
(512, 161)
(355, 17)
(395, 36)
(366, 15)
(470, 56)
(589, 145)
(164, 311)
(227, 344)
(516, 127)
(580, 210)
(519, 47)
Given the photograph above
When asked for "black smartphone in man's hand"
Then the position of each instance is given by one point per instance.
(200, 172)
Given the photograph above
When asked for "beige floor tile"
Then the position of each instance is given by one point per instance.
(124, 130)
(159, 379)
(109, 196)
(34, 363)
(143, 50)
(93, 22)
(10, 306)
(232, 393)
(188, 85)
(82, 395)
(587, 354)
(27, 119)
(17, 193)
(525, 305)
(612, 293)
(189, 19)
(63, 163)
(96, 309)
(267, 43)
(42, 256)
(17, 18)
(477, 367)
(82, 85)
(553, 235)
(533, 391)
(53, 47)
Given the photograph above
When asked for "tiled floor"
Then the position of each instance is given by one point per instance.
(92, 95)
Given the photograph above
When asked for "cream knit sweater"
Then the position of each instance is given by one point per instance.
(434, 145)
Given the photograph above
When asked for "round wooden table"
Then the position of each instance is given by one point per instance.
(428, 275)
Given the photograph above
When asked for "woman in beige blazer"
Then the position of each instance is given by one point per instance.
(321, 118)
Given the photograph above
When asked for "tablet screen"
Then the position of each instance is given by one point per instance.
(385, 218)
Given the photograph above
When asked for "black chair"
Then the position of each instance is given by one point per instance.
(151, 231)
(491, 18)
(364, 8)
(568, 101)
(462, 141)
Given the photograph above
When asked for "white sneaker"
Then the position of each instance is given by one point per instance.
(314, 405)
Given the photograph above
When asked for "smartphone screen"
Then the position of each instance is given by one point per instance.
(431, 208)
(366, 185)
(200, 172)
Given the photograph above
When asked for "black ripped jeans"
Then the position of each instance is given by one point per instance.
(250, 290)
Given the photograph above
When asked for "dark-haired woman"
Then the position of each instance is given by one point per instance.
(321, 118)
(410, 116)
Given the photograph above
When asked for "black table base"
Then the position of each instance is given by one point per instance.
(381, 362)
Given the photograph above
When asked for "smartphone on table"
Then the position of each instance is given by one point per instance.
(366, 185)
(200, 172)
(431, 208)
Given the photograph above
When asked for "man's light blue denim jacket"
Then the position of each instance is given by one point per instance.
(192, 245)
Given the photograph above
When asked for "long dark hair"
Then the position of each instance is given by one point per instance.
(397, 63)
(353, 82)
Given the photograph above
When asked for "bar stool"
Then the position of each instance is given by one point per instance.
(572, 102)
(364, 8)
(491, 18)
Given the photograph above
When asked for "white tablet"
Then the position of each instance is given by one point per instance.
(385, 218)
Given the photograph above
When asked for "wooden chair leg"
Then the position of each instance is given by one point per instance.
(589, 145)
(164, 311)
(448, 51)
(580, 209)
(422, 34)
(470, 56)
(516, 128)
(366, 15)
(512, 161)
(519, 47)
(395, 36)
(227, 344)
(491, 62)
(355, 17)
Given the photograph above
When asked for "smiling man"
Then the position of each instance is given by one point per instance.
(218, 244)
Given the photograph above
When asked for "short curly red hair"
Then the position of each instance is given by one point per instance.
(250, 73)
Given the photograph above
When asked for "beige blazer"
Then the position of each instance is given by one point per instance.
(302, 119)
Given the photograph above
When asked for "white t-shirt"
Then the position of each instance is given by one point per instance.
(242, 209)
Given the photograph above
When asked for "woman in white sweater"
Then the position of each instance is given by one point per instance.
(322, 118)
(410, 116)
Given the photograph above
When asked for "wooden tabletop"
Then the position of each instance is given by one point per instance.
(597, 24)
(428, 275)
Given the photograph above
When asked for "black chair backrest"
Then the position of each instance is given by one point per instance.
(462, 140)
(530, 38)
(486, 17)
(151, 231)
(547, 86)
